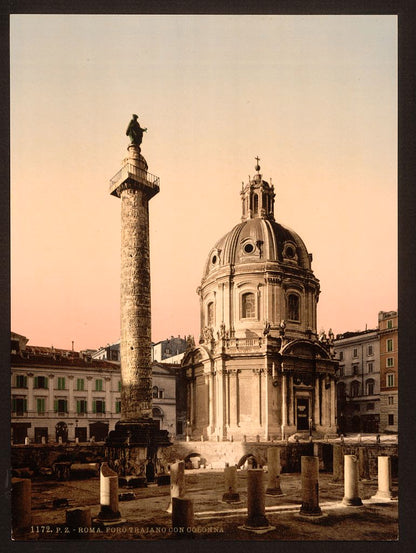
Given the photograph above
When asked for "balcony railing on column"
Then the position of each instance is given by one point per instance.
(131, 171)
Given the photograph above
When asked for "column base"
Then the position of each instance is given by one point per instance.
(105, 523)
(257, 530)
(383, 496)
(131, 449)
(311, 517)
(352, 502)
(108, 517)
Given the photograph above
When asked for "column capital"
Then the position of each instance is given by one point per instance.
(258, 371)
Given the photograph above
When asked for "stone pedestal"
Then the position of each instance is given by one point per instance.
(109, 513)
(132, 445)
(384, 492)
(177, 482)
(230, 484)
(79, 517)
(337, 462)
(273, 464)
(256, 519)
(182, 512)
(310, 488)
(27, 441)
(363, 464)
(21, 504)
(351, 493)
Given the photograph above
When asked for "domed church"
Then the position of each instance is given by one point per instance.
(260, 371)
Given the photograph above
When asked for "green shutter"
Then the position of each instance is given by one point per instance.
(103, 406)
(36, 381)
(65, 406)
(78, 407)
(25, 405)
(25, 381)
(55, 405)
(94, 408)
(46, 382)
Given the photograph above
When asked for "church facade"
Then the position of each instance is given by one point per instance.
(260, 371)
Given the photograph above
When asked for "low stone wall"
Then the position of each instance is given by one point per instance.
(36, 456)
(324, 451)
(211, 454)
(218, 454)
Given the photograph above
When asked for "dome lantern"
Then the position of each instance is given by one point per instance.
(257, 197)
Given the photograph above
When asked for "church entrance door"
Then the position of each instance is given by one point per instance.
(302, 413)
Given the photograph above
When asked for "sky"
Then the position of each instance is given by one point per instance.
(315, 97)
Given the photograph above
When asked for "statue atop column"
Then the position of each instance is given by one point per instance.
(135, 131)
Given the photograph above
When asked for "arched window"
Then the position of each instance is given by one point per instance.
(355, 388)
(369, 387)
(157, 412)
(293, 307)
(155, 392)
(210, 314)
(255, 203)
(248, 306)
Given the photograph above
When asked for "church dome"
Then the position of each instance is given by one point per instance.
(258, 238)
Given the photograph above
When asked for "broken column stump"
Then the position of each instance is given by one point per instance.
(273, 464)
(351, 494)
(109, 513)
(256, 510)
(21, 504)
(310, 509)
(384, 492)
(230, 483)
(177, 482)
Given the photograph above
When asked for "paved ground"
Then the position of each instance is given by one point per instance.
(146, 516)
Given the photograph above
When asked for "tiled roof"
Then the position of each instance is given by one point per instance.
(27, 358)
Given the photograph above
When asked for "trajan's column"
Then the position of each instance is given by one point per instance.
(132, 446)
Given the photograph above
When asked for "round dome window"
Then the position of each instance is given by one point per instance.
(290, 252)
(214, 259)
(249, 248)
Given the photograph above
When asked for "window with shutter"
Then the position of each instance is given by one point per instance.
(41, 406)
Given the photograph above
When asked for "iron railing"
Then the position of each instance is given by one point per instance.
(131, 171)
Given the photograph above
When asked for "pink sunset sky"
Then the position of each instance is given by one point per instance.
(315, 97)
